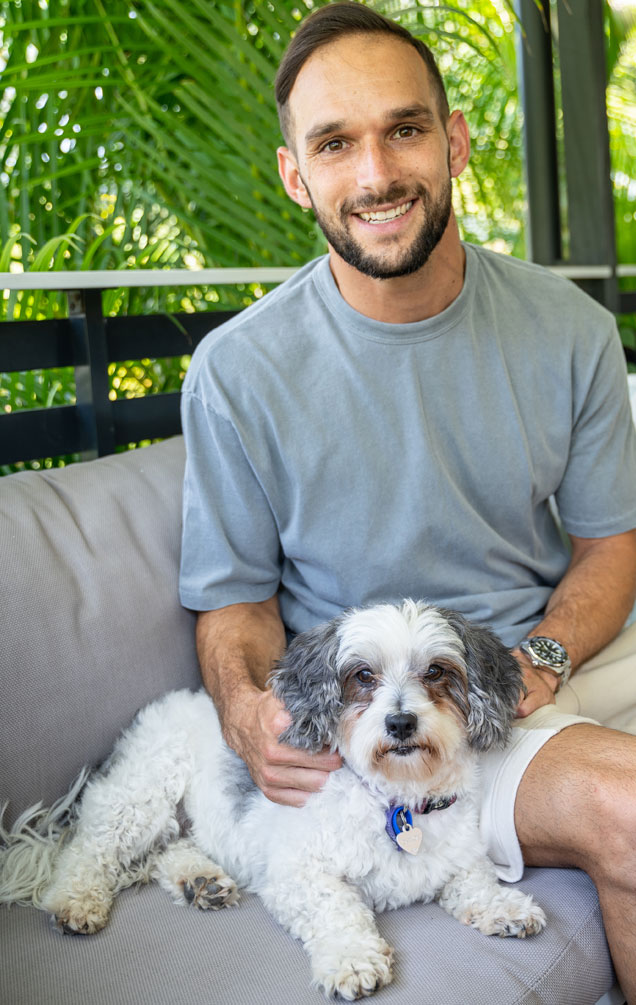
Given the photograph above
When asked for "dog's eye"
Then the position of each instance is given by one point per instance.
(435, 671)
(365, 676)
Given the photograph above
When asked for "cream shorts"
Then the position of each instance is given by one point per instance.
(602, 692)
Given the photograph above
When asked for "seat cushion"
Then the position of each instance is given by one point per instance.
(155, 953)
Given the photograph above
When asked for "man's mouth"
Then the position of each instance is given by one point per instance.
(382, 215)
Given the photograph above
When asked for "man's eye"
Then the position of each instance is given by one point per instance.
(405, 132)
(333, 146)
(365, 676)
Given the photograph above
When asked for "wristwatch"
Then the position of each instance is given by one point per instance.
(548, 654)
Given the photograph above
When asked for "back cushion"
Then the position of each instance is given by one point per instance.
(91, 627)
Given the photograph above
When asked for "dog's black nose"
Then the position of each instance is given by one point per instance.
(401, 725)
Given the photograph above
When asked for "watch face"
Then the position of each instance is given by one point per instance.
(548, 651)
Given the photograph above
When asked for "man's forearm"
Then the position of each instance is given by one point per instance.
(586, 611)
(237, 648)
(591, 603)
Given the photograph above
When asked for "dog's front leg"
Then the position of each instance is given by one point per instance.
(475, 897)
(348, 956)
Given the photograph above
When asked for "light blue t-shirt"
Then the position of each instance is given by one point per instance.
(343, 461)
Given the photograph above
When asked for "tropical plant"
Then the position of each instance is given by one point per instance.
(141, 133)
(621, 108)
(150, 109)
(154, 122)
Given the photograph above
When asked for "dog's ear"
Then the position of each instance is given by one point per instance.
(306, 680)
(495, 683)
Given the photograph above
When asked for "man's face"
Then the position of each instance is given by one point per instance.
(372, 155)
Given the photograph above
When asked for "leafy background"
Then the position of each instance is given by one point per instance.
(141, 134)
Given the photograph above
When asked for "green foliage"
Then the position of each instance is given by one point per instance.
(153, 123)
(155, 116)
(621, 110)
(141, 134)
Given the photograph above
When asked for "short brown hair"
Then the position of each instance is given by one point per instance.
(329, 23)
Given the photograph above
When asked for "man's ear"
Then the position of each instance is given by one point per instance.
(290, 176)
(458, 143)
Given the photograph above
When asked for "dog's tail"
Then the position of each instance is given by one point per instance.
(29, 849)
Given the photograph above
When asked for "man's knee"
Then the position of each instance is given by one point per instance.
(607, 839)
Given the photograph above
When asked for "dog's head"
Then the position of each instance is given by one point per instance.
(398, 689)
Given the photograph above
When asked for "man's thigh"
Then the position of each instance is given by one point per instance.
(502, 774)
(577, 798)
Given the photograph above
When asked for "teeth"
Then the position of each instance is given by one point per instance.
(389, 214)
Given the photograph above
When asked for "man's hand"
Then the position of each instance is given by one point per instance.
(540, 686)
(284, 774)
(237, 647)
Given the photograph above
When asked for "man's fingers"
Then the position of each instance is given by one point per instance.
(538, 693)
(305, 780)
(286, 797)
(285, 774)
(286, 756)
(289, 785)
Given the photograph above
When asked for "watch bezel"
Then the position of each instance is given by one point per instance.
(548, 651)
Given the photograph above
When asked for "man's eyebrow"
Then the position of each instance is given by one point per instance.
(393, 115)
(323, 129)
(410, 112)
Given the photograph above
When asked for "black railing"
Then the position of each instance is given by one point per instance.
(89, 342)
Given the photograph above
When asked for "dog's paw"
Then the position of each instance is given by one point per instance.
(210, 893)
(530, 922)
(84, 918)
(357, 974)
(511, 915)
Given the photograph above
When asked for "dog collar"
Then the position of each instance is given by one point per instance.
(399, 822)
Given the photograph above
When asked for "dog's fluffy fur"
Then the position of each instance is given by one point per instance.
(321, 870)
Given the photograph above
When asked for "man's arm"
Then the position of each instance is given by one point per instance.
(587, 609)
(237, 647)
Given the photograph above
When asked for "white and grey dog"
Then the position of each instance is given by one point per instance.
(408, 695)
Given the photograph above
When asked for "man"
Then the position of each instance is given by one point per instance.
(393, 422)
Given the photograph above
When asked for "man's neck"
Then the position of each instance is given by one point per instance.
(415, 297)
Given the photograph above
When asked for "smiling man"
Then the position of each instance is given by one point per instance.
(394, 421)
(374, 160)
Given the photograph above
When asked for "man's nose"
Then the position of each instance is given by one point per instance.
(377, 169)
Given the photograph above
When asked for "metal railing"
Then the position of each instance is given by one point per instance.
(87, 341)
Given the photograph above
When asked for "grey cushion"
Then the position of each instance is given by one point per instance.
(90, 621)
(91, 630)
(154, 953)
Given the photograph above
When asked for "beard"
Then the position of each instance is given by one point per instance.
(375, 264)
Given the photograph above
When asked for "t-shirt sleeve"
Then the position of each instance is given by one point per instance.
(597, 496)
(230, 543)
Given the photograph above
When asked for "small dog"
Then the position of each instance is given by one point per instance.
(408, 695)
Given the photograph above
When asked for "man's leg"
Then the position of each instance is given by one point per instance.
(576, 806)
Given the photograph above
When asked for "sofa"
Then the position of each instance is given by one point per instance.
(91, 630)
